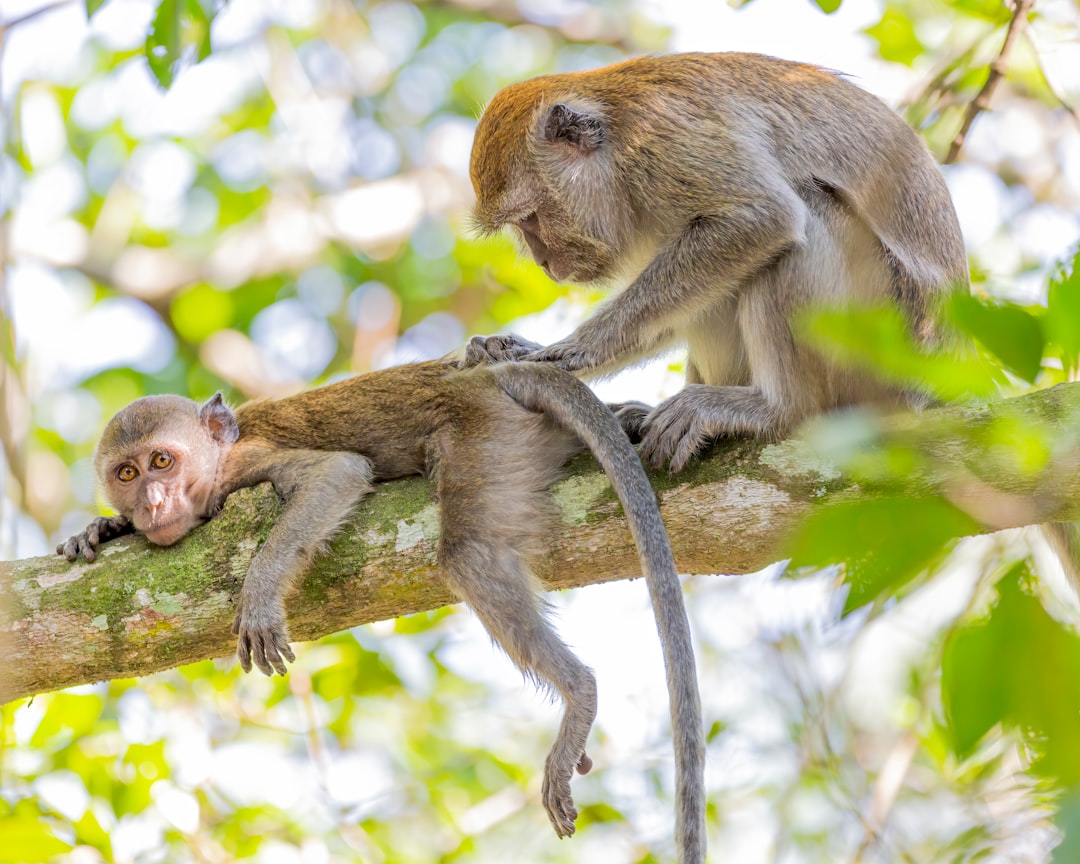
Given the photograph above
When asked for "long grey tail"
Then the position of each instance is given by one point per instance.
(573, 406)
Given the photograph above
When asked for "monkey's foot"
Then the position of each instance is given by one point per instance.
(261, 637)
(482, 350)
(555, 791)
(631, 416)
(680, 427)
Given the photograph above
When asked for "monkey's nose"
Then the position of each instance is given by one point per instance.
(155, 496)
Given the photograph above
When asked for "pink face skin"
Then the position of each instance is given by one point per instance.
(165, 489)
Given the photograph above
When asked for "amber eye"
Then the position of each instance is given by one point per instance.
(161, 460)
(127, 473)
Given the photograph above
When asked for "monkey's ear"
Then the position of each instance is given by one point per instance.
(219, 420)
(580, 129)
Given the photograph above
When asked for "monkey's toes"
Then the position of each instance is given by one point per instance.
(558, 802)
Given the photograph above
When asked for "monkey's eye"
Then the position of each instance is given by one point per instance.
(126, 473)
(161, 460)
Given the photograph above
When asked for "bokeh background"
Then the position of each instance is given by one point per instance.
(264, 195)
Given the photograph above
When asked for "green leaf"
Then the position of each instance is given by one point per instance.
(1068, 823)
(1009, 332)
(163, 42)
(23, 839)
(92, 6)
(896, 37)
(828, 6)
(1020, 668)
(879, 338)
(1062, 319)
(884, 542)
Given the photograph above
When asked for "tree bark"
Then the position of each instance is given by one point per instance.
(139, 608)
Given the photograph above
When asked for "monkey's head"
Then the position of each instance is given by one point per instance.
(158, 463)
(543, 163)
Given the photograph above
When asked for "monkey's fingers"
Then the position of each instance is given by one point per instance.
(558, 802)
(275, 649)
(566, 355)
(243, 651)
(482, 350)
(75, 546)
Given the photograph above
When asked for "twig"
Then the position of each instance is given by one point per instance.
(997, 72)
(30, 16)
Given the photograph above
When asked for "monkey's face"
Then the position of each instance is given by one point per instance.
(542, 163)
(158, 464)
(164, 489)
(564, 251)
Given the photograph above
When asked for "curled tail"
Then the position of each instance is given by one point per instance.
(559, 395)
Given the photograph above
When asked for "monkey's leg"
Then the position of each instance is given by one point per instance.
(486, 523)
(320, 489)
(496, 587)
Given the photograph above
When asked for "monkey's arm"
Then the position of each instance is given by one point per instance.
(701, 265)
(101, 530)
(320, 489)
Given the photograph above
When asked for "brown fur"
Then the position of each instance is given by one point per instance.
(493, 439)
(732, 190)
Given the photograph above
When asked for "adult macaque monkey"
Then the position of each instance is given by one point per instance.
(493, 439)
(732, 189)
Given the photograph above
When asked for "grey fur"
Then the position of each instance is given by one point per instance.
(494, 440)
(752, 187)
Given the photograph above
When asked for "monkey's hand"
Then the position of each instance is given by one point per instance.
(99, 531)
(680, 427)
(631, 416)
(570, 355)
(482, 350)
(261, 635)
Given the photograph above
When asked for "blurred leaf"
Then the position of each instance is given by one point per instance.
(988, 10)
(23, 839)
(879, 339)
(178, 25)
(895, 36)
(1062, 319)
(163, 42)
(1068, 823)
(1021, 668)
(92, 6)
(200, 311)
(884, 542)
(1009, 332)
(828, 6)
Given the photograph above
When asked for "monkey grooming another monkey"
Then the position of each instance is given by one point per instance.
(493, 439)
(732, 189)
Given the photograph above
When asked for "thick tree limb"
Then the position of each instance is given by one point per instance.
(139, 609)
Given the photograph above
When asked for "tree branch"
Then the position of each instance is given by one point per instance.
(139, 609)
(997, 72)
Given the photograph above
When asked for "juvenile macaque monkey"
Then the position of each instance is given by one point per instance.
(731, 189)
(493, 439)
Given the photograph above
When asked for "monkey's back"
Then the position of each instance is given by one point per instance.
(679, 122)
(390, 416)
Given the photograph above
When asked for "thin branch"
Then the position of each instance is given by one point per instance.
(997, 72)
(7, 26)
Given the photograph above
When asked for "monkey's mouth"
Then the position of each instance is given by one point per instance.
(168, 532)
